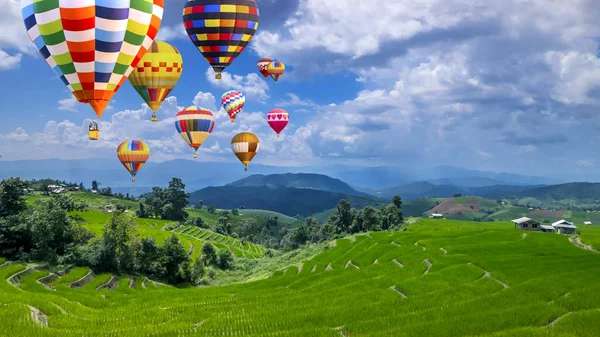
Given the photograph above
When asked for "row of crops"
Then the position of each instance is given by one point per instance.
(439, 278)
(238, 247)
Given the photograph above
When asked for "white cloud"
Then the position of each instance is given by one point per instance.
(206, 100)
(577, 75)
(170, 33)
(294, 100)
(251, 85)
(484, 154)
(527, 148)
(8, 62)
(584, 162)
(68, 104)
(12, 29)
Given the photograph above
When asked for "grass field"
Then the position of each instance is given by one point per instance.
(264, 214)
(439, 278)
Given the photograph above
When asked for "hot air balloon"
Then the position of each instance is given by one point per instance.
(157, 74)
(133, 154)
(263, 65)
(276, 69)
(220, 29)
(94, 44)
(233, 103)
(278, 119)
(195, 125)
(245, 146)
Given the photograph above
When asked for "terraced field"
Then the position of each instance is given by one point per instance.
(238, 247)
(438, 278)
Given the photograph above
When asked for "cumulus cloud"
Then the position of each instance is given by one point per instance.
(8, 62)
(250, 85)
(68, 104)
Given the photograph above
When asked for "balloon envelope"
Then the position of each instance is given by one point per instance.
(278, 119)
(94, 43)
(133, 154)
(157, 73)
(220, 29)
(276, 69)
(194, 126)
(245, 146)
(233, 103)
(263, 65)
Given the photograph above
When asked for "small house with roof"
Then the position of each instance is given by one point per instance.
(436, 216)
(527, 224)
(587, 223)
(564, 227)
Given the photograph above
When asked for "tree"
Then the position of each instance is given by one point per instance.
(369, 219)
(456, 195)
(146, 260)
(11, 197)
(397, 201)
(117, 237)
(176, 196)
(209, 255)
(235, 212)
(95, 185)
(224, 259)
(199, 204)
(141, 212)
(212, 210)
(342, 216)
(198, 272)
(198, 222)
(272, 222)
(174, 259)
(247, 229)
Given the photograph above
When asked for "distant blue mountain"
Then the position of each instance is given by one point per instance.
(198, 174)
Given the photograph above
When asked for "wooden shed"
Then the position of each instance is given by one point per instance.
(527, 224)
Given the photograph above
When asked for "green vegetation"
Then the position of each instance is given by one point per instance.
(438, 278)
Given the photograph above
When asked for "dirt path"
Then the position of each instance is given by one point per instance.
(39, 317)
(577, 242)
(83, 281)
(551, 324)
(489, 275)
(394, 288)
(192, 248)
(349, 263)
(429, 265)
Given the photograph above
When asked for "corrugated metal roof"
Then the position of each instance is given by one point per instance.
(562, 221)
(521, 220)
(546, 227)
(587, 223)
(565, 226)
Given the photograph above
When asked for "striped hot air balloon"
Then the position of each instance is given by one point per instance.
(133, 154)
(278, 119)
(95, 44)
(233, 103)
(263, 65)
(220, 29)
(194, 126)
(245, 146)
(157, 74)
(276, 69)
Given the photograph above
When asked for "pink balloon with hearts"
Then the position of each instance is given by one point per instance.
(278, 119)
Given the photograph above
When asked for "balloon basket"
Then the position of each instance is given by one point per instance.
(133, 180)
(277, 135)
(218, 76)
(93, 135)
(195, 155)
(154, 119)
(246, 168)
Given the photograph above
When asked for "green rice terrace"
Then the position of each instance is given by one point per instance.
(436, 278)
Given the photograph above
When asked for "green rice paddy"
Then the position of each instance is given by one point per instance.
(439, 278)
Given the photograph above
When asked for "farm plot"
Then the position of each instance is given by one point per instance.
(438, 278)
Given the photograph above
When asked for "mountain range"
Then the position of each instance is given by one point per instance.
(197, 174)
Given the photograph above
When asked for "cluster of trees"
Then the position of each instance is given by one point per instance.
(345, 220)
(51, 231)
(165, 203)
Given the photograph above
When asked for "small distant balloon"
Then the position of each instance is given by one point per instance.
(245, 146)
(133, 154)
(278, 119)
(263, 66)
(233, 103)
(276, 69)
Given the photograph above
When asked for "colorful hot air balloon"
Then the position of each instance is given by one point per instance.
(157, 74)
(220, 29)
(263, 65)
(276, 69)
(278, 119)
(94, 44)
(133, 154)
(245, 146)
(233, 103)
(194, 126)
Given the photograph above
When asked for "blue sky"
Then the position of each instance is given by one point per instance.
(496, 85)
